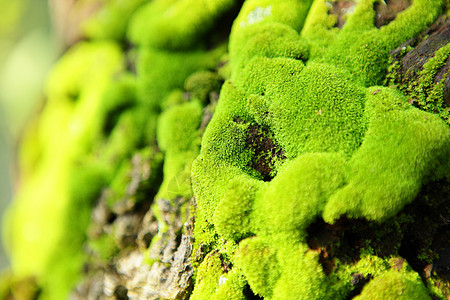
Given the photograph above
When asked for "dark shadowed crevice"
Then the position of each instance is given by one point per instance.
(121, 293)
(73, 96)
(222, 29)
(358, 282)
(249, 295)
(130, 51)
(226, 264)
(266, 150)
(426, 240)
(113, 117)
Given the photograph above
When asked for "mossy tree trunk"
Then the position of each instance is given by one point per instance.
(278, 160)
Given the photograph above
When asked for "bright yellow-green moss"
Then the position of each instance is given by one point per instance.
(380, 181)
(175, 25)
(310, 109)
(359, 46)
(232, 219)
(111, 20)
(348, 150)
(179, 139)
(268, 28)
(265, 274)
(217, 284)
(394, 285)
(257, 12)
(159, 72)
(51, 213)
(297, 195)
(207, 281)
(201, 83)
(268, 39)
(430, 95)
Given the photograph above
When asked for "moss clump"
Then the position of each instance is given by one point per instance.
(214, 282)
(176, 25)
(430, 95)
(202, 83)
(419, 68)
(110, 21)
(395, 285)
(359, 46)
(160, 72)
(179, 139)
(350, 148)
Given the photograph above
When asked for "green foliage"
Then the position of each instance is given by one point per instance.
(209, 274)
(267, 40)
(381, 180)
(232, 219)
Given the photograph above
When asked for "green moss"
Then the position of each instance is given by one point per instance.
(160, 72)
(231, 286)
(263, 274)
(208, 276)
(432, 100)
(105, 247)
(179, 138)
(302, 189)
(232, 218)
(348, 150)
(269, 39)
(439, 288)
(39, 216)
(359, 46)
(95, 107)
(327, 110)
(175, 25)
(257, 12)
(299, 104)
(201, 84)
(145, 170)
(395, 285)
(13, 287)
(111, 20)
(383, 180)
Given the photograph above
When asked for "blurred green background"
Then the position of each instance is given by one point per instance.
(28, 48)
